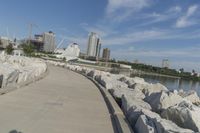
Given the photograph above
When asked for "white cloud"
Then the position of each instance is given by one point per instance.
(191, 10)
(119, 10)
(129, 38)
(175, 9)
(186, 20)
(157, 17)
(149, 35)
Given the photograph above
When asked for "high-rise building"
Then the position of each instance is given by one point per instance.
(165, 63)
(49, 41)
(94, 45)
(106, 54)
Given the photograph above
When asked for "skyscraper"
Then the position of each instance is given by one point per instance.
(94, 45)
(49, 41)
(106, 54)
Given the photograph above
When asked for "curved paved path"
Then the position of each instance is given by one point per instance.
(62, 102)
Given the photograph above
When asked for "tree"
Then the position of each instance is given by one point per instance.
(28, 49)
(64, 58)
(9, 49)
(181, 70)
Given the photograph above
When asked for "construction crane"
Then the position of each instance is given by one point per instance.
(30, 31)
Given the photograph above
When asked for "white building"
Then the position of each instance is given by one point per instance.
(70, 53)
(94, 45)
(49, 41)
(123, 66)
(4, 42)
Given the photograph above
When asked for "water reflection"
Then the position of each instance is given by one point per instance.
(173, 83)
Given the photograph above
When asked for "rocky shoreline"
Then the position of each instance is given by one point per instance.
(150, 108)
(17, 70)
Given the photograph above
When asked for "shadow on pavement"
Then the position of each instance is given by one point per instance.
(15, 131)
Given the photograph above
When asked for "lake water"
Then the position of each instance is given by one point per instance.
(173, 83)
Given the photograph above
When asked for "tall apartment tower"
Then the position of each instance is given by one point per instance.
(94, 45)
(106, 54)
(49, 41)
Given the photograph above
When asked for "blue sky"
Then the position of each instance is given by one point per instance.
(147, 30)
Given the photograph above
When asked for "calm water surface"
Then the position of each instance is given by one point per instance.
(173, 83)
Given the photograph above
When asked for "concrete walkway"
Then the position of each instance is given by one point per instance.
(62, 102)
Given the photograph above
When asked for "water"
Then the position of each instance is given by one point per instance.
(173, 83)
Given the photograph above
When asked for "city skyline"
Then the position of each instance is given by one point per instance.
(147, 30)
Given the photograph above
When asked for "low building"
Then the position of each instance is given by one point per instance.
(122, 66)
(4, 42)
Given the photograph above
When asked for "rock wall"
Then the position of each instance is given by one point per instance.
(18, 69)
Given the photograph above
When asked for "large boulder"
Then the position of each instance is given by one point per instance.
(93, 73)
(144, 125)
(162, 100)
(190, 96)
(185, 114)
(105, 81)
(118, 91)
(129, 101)
(109, 82)
(166, 126)
(132, 81)
(148, 89)
(10, 75)
(134, 107)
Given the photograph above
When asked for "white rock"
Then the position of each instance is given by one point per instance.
(134, 107)
(17, 69)
(190, 96)
(166, 126)
(132, 81)
(185, 114)
(10, 75)
(162, 100)
(148, 89)
(108, 82)
(144, 125)
(118, 91)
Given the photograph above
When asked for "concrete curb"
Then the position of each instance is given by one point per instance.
(120, 121)
(23, 84)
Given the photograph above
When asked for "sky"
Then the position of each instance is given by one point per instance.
(146, 30)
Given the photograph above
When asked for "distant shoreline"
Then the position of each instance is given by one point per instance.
(157, 74)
